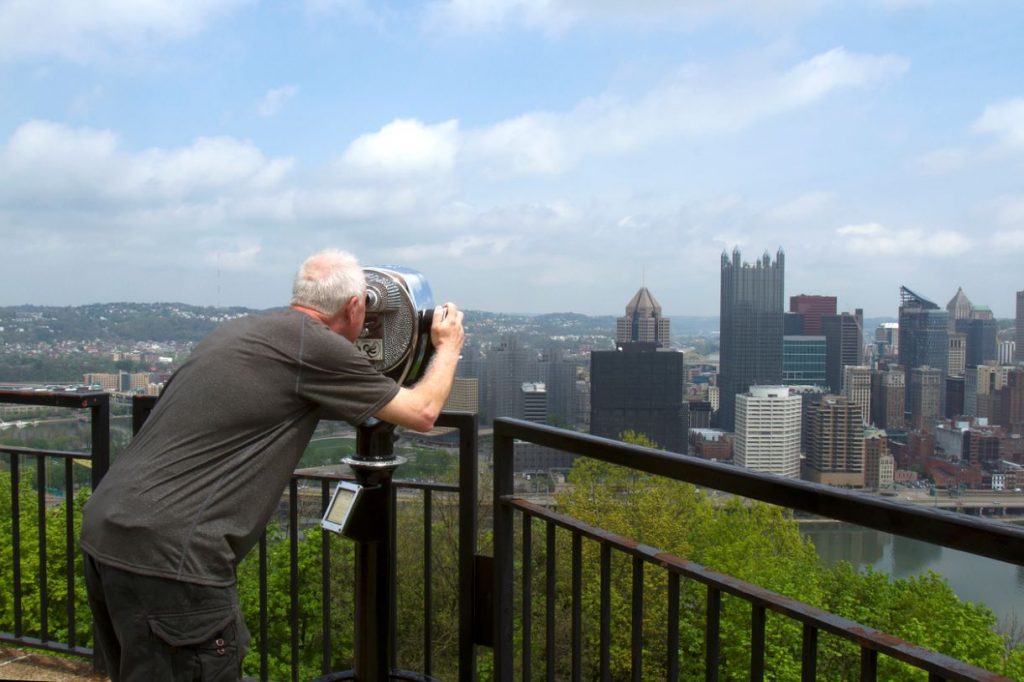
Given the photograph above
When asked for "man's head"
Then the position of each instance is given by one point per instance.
(332, 284)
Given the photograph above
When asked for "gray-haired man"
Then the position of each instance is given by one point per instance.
(190, 496)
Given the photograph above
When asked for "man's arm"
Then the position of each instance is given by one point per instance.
(417, 408)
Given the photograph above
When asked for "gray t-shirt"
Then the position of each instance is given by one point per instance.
(193, 491)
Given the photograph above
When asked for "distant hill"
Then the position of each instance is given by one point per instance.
(170, 322)
(111, 322)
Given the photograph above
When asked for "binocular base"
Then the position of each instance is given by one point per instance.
(393, 675)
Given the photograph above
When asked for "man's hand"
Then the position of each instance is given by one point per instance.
(446, 329)
(418, 407)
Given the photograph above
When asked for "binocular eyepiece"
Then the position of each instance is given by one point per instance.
(399, 314)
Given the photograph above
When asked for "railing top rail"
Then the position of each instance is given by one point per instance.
(1001, 541)
(926, 659)
(73, 399)
(66, 454)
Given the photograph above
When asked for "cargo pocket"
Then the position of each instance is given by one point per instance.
(206, 641)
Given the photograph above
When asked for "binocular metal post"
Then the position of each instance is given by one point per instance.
(373, 465)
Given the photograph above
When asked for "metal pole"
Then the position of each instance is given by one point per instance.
(373, 465)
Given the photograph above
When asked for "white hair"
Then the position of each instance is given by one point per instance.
(326, 280)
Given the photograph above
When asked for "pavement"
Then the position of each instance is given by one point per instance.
(19, 664)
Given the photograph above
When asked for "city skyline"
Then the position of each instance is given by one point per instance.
(526, 156)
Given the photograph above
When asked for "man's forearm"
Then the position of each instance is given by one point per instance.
(418, 407)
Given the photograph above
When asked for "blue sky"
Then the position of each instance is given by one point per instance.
(526, 155)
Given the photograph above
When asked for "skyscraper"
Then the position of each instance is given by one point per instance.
(768, 431)
(509, 366)
(1019, 350)
(639, 390)
(888, 398)
(857, 388)
(844, 345)
(751, 328)
(878, 462)
(957, 362)
(887, 340)
(925, 392)
(534, 396)
(958, 308)
(643, 322)
(813, 308)
(558, 373)
(835, 442)
(803, 361)
(979, 339)
(924, 337)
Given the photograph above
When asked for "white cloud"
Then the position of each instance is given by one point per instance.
(805, 207)
(873, 239)
(533, 143)
(79, 30)
(554, 17)
(1009, 240)
(463, 246)
(274, 99)
(943, 161)
(231, 256)
(402, 148)
(695, 102)
(52, 164)
(1004, 120)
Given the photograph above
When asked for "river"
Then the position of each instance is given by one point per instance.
(997, 584)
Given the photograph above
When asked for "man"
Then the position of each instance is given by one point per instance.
(189, 497)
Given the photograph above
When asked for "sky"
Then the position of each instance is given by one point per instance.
(527, 156)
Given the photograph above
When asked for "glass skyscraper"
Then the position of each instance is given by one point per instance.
(803, 361)
(924, 337)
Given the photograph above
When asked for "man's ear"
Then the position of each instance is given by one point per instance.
(351, 307)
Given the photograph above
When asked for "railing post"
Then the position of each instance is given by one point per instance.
(468, 496)
(503, 528)
(100, 437)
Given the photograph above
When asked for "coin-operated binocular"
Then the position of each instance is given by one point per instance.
(396, 339)
(399, 312)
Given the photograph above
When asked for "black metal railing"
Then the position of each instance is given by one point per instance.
(969, 534)
(487, 594)
(98, 457)
(297, 523)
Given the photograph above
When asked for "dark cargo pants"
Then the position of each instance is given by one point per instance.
(151, 629)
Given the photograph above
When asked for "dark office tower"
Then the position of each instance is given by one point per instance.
(642, 322)
(834, 434)
(980, 339)
(954, 396)
(924, 337)
(813, 308)
(751, 328)
(1019, 350)
(925, 396)
(639, 390)
(844, 345)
